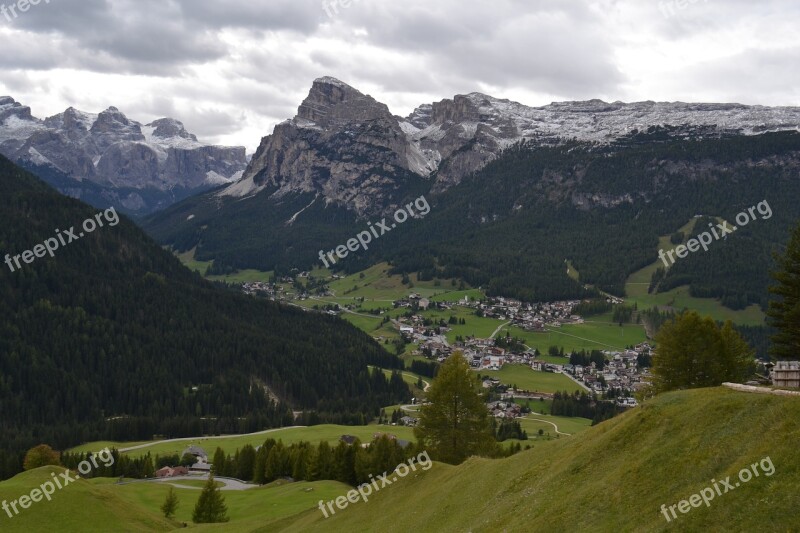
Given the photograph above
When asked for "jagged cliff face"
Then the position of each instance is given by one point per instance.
(348, 147)
(115, 153)
(342, 143)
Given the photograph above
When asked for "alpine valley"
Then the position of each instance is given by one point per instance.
(515, 191)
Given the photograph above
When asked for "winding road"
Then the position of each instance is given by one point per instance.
(228, 483)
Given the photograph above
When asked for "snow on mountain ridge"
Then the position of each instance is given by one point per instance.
(491, 124)
(596, 120)
(117, 153)
(340, 135)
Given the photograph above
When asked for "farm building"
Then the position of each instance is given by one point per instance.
(786, 374)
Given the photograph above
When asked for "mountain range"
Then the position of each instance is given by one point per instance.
(351, 149)
(515, 191)
(108, 159)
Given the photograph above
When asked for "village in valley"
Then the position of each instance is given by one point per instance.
(604, 372)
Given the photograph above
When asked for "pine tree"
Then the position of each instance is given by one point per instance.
(210, 508)
(322, 466)
(456, 424)
(259, 475)
(218, 465)
(170, 503)
(246, 463)
(785, 312)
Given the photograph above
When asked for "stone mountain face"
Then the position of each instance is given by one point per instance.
(349, 148)
(138, 168)
(342, 143)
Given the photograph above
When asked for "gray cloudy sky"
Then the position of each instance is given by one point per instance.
(232, 70)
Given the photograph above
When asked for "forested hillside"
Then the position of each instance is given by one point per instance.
(114, 339)
(511, 226)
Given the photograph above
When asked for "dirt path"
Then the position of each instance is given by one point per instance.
(760, 390)
(501, 326)
(551, 423)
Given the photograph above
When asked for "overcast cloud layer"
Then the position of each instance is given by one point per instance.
(232, 70)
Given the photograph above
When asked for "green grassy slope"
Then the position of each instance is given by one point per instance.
(79, 506)
(613, 477)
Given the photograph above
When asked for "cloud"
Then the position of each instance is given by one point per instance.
(231, 70)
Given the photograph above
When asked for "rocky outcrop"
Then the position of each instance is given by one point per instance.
(342, 143)
(348, 147)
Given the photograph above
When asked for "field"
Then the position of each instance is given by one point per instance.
(478, 326)
(375, 284)
(101, 505)
(243, 276)
(679, 297)
(595, 333)
(528, 379)
(80, 506)
(314, 434)
(251, 508)
(565, 425)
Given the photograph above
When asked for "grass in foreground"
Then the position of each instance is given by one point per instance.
(612, 477)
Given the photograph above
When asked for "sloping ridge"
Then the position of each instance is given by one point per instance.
(613, 477)
(113, 336)
(80, 505)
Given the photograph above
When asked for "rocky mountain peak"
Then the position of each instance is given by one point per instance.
(72, 120)
(340, 136)
(112, 126)
(167, 128)
(332, 102)
(10, 107)
(111, 116)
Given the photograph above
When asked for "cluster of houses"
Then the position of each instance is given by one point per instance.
(507, 410)
(529, 316)
(415, 300)
(201, 465)
(273, 291)
(621, 370)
